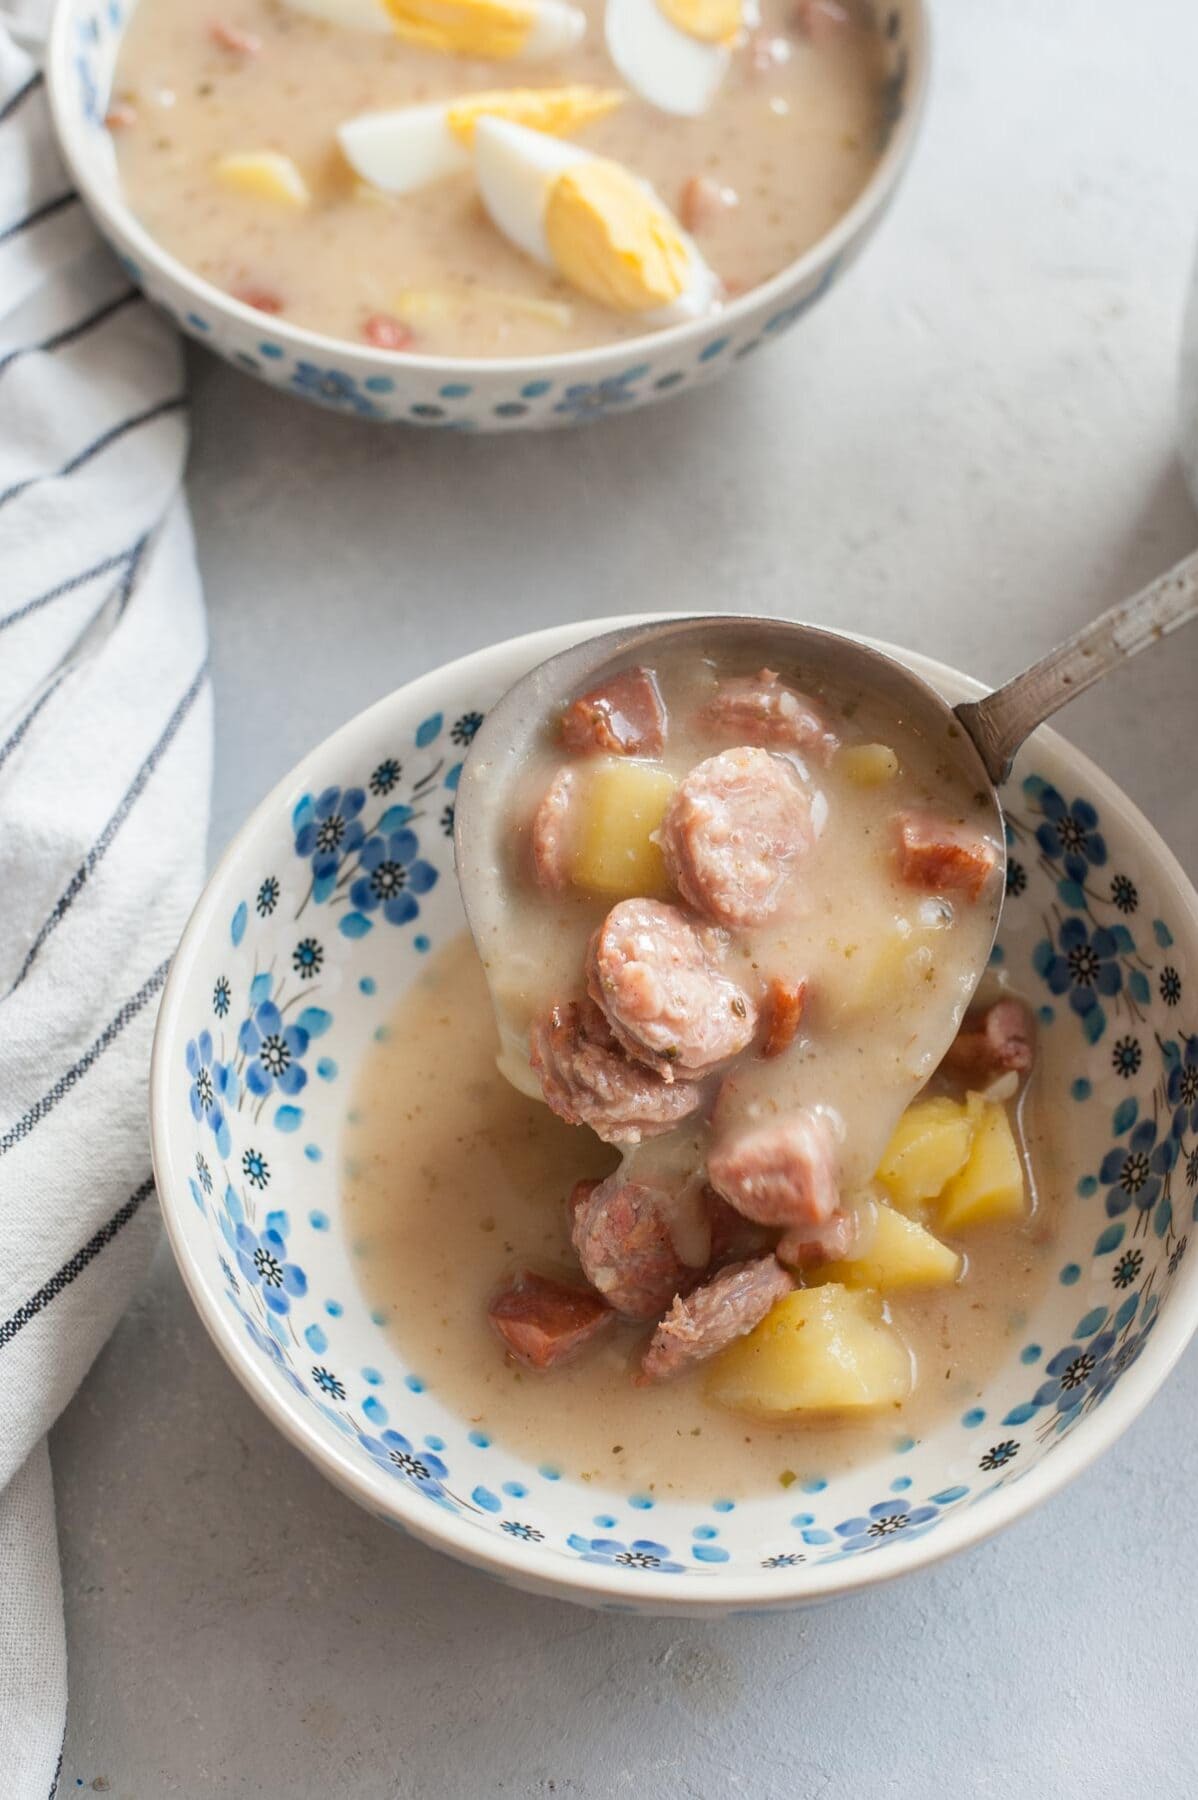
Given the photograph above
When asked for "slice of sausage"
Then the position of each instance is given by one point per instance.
(588, 1079)
(625, 716)
(552, 833)
(544, 1323)
(731, 1237)
(993, 1042)
(784, 1003)
(734, 831)
(938, 856)
(760, 709)
(782, 1174)
(807, 1244)
(622, 1233)
(723, 1309)
(580, 1192)
(665, 997)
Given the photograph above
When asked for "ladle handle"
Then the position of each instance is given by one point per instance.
(999, 724)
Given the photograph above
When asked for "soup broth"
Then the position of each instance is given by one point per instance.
(785, 147)
(452, 1179)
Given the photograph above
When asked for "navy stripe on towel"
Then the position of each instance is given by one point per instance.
(62, 1278)
(72, 583)
(70, 333)
(132, 794)
(66, 1081)
(97, 445)
(15, 737)
(40, 213)
(14, 100)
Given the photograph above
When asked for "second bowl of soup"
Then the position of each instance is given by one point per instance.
(488, 221)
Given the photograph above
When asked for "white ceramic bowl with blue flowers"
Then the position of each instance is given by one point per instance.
(464, 394)
(295, 957)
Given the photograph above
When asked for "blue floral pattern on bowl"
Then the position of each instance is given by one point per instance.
(263, 1049)
(440, 394)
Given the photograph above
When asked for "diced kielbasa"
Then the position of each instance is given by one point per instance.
(938, 856)
(552, 833)
(760, 709)
(386, 332)
(704, 201)
(544, 1323)
(234, 39)
(993, 1042)
(622, 1232)
(783, 1010)
(731, 1237)
(735, 829)
(262, 300)
(666, 998)
(781, 1174)
(820, 20)
(626, 717)
(588, 1079)
(120, 116)
(723, 1309)
(807, 1244)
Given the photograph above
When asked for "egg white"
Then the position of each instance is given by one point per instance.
(556, 29)
(672, 71)
(404, 150)
(515, 168)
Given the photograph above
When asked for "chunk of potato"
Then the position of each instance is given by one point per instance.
(821, 1349)
(869, 765)
(621, 805)
(930, 1144)
(990, 1186)
(263, 175)
(894, 1252)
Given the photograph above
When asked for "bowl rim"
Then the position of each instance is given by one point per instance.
(116, 219)
(547, 1570)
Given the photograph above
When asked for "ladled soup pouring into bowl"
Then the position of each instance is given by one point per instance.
(734, 884)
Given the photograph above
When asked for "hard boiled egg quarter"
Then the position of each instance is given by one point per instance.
(591, 221)
(404, 150)
(526, 30)
(675, 53)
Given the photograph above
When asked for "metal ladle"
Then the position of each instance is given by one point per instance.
(977, 739)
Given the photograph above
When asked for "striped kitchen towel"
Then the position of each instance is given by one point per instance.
(105, 751)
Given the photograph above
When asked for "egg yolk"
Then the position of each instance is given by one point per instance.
(612, 240)
(554, 110)
(492, 28)
(711, 21)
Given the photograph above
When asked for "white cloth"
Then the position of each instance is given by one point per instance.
(105, 752)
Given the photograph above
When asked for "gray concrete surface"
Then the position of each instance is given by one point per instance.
(970, 449)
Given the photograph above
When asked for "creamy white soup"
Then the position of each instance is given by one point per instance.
(452, 1180)
(736, 1192)
(337, 170)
